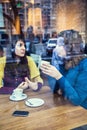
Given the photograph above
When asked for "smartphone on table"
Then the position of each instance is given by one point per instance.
(20, 113)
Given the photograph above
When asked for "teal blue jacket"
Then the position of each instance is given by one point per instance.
(74, 84)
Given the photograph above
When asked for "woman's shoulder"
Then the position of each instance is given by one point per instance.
(3, 59)
(2, 62)
(83, 64)
(29, 58)
(83, 61)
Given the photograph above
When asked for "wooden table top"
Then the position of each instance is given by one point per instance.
(55, 114)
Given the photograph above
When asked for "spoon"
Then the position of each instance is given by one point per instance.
(29, 102)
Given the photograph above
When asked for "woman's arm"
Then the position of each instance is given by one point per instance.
(2, 65)
(70, 92)
(6, 90)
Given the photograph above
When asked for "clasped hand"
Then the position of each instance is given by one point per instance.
(28, 83)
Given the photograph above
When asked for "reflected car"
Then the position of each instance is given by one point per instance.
(51, 44)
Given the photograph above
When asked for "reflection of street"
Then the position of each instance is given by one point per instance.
(40, 49)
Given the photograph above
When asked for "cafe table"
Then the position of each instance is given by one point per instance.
(55, 114)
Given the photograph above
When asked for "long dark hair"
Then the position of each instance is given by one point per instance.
(14, 70)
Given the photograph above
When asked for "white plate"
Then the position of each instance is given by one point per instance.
(34, 102)
(13, 98)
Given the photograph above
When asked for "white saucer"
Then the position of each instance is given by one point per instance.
(13, 98)
(34, 102)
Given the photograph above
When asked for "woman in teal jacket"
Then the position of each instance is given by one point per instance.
(73, 80)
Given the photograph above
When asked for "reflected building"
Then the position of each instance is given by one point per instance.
(45, 16)
(72, 15)
(37, 13)
(49, 15)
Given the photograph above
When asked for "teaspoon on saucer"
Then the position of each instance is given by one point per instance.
(29, 102)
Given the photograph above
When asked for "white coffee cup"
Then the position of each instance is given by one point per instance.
(45, 62)
(18, 92)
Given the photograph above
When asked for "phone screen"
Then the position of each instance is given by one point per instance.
(20, 113)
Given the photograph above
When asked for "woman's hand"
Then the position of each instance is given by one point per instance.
(23, 85)
(32, 85)
(51, 71)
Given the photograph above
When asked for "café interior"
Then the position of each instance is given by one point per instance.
(45, 109)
